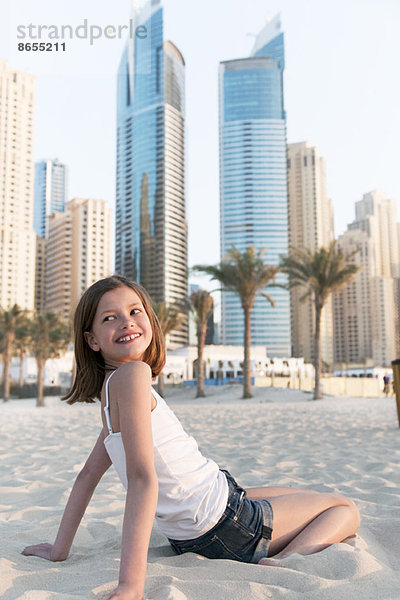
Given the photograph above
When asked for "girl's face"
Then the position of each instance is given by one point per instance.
(121, 329)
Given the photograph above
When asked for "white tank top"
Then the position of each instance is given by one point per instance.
(192, 491)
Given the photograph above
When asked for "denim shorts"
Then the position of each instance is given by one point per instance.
(243, 532)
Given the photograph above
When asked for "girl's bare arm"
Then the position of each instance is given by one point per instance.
(81, 493)
(131, 385)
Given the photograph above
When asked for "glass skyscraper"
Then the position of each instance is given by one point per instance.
(50, 193)
(253, 182)
(151, 229)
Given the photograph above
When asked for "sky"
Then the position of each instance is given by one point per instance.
(342, 90)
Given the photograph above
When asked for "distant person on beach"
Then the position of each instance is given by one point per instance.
(386, 384)
(119, 349)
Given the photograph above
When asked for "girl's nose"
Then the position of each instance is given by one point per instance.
(127, 322)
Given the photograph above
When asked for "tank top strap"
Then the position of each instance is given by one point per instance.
(156, 395)
(107, 405)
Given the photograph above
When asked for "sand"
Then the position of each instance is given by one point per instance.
(280, 437)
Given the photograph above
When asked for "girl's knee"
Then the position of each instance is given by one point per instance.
(355, 513)
(355, 516)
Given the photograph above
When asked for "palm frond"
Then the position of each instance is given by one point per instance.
(244, 273)
(201, 304)
(270, 300)
(170, 316)
(321, 272)
(48, 336)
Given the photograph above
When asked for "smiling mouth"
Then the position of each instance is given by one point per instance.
(128, 338)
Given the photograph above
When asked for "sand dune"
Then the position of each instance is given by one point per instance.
(280, 437)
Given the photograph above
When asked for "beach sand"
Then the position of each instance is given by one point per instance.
(280, 437)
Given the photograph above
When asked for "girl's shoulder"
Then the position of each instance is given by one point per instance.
(130, 372)
(134, 365)
(131, 382)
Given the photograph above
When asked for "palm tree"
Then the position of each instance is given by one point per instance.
(201, 303)
(321, 272)
(48, 338)
(170, 317)
(246, 274)
(9, 321)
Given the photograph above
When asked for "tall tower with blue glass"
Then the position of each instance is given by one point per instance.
(151, 229)
(253, 182)
(50, 192)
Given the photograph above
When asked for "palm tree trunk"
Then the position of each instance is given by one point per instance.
(40, 369)
(6, 378)
(160, 385)
(317, 352)
(201, 338)
(21, 368)
(6, 369)
(246, 362)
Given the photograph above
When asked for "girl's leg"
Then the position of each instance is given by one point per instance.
(306, 523)
(260, 493)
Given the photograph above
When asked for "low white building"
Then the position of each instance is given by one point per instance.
(57, 371)
(220, 362)
(361, 371)
(227, 361)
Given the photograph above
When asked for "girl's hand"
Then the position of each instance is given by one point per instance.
(124, 591)
(44, 551)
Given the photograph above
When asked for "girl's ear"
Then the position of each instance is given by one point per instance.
(91, 340)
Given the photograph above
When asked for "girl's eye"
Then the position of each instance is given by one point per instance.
(134, 311)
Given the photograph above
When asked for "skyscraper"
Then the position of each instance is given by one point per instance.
(352, 307)
(17, 238)
(366, 318)
(151, 229)
(77, 252)
(310, 227)
(253, 181)
(377, 215)
(50, 192)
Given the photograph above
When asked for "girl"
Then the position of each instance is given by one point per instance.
(119, 348)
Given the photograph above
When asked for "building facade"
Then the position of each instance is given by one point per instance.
(253, 182)
(17, 238)
(366, 316)
(311, 227)
(352, 304)
(151, 229)
(50, 192)
(396, 283)
(377, 215)
(78, 250)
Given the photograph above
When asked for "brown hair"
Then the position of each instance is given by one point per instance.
(89, 365)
